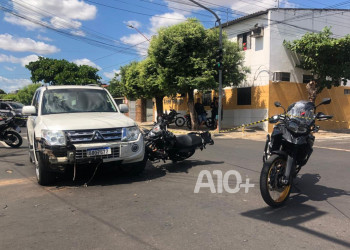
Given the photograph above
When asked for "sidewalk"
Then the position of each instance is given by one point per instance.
(250, 133)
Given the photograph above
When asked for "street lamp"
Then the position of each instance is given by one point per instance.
(133, 27)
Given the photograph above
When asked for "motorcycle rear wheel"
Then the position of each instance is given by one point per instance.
(13, 139)
(180, 121)
(274, 193)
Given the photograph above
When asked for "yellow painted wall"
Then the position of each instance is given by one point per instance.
(260, 100)
(287, 93)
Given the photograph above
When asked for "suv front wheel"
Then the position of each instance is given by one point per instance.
(43, 176)
(136, 168)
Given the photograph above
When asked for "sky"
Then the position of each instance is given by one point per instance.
(105, 34)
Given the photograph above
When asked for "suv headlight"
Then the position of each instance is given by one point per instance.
(54, 137)
(130, 134)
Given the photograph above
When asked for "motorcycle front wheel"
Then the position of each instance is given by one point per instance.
(180, 121)
(274, 193)
(13, 139)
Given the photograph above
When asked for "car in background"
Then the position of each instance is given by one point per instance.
(7, 106)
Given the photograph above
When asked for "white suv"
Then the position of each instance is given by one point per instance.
(70, 125)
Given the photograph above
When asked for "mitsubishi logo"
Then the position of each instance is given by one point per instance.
(97, 135)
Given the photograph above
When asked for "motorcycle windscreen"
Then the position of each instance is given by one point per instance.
(303, 111)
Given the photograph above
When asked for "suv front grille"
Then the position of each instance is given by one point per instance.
(94, 135)
(81, 154)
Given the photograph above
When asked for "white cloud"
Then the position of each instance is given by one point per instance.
(8, 42)
(78, 32)
(85, 61)
(167, 19)
(60, 23)
(133, 23)
(9, 85)
(44, 38)
(43, 10)
(9, 68)
(140, 43)
(110, 75)
(20, 60)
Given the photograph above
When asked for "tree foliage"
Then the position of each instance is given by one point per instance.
(62, 72)
(26, 94)
(326, 57)
(2, 92)
(185, 55)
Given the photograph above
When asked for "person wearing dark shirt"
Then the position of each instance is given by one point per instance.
(201, 114)
(214, 111)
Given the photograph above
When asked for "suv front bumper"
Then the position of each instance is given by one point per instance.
(124, 152)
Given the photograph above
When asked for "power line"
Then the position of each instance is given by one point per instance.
(135, 12)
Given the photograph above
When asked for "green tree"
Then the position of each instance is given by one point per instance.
(62, 72)
(114, 87)
(184, 55)
(26, 94)
(327, 58)
(2, 92)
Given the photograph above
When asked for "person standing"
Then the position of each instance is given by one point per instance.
(214, 112)
(201, 114)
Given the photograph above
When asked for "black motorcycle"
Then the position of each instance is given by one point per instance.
(173, 117)
(161, 144)
(9, 131)
(288, 149)
(209, 122)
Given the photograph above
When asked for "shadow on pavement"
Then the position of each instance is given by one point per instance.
(295, 213)
(110, 175)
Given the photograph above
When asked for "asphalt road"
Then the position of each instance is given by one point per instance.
(159, 209)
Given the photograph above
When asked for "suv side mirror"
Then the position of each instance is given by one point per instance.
(123, 108)
(278, 104)
(29, 110)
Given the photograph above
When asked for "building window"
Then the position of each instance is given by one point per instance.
(285, 77)
(244, 41)
(206, 98)
(244, 96)
(307, 78)
(346, 91)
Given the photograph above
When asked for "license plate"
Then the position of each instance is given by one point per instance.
(98, 151)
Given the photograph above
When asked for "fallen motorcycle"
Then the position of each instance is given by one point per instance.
(162, 144)
(9, 131)
(288, 149)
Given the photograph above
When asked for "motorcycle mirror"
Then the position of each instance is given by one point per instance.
(322, 117)
(278, 104)
(325, 101)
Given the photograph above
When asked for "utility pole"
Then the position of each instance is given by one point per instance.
(220, 63)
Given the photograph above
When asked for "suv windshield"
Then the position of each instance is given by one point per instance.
(56, 101)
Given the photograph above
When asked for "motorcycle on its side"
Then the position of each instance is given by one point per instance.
(163, 145)
(288, 149)
(9, 131)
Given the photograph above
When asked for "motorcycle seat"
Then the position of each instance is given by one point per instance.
(190, 140)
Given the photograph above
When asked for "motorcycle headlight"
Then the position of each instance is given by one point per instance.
(130, 134)
(54, 137)
(296, 128)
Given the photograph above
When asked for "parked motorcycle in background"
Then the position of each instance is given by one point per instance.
(288, 149)
(9, 131)
(173, 117)
(161, 144)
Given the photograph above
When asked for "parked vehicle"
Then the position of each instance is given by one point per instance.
(288, 149)
(173, 117)
(74, 125)
(16, 107)
(9, 131)
(208, 122)
(161, 144)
